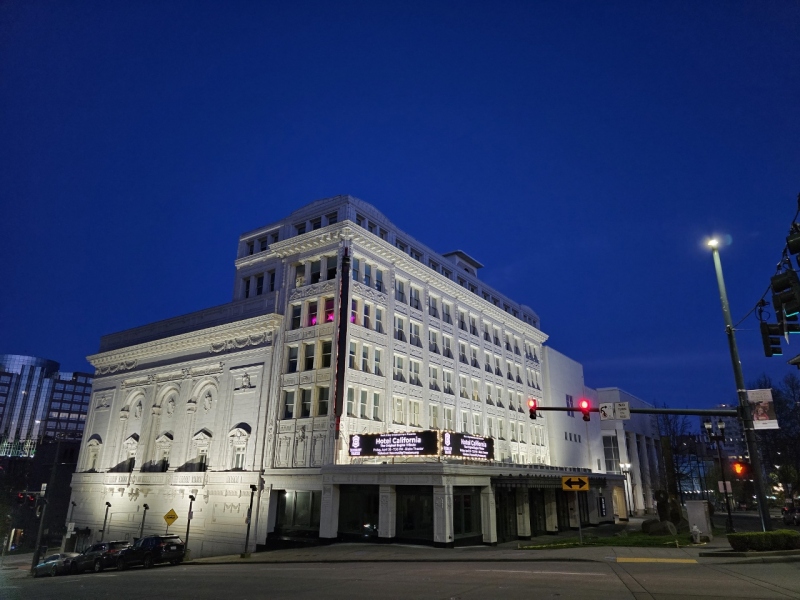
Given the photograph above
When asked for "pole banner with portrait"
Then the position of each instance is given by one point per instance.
(763, 409)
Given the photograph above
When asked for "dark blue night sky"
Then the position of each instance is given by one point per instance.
(582, 151)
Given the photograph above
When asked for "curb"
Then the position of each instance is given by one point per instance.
(387, 560)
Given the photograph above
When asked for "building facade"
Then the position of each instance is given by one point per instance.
(341, 326)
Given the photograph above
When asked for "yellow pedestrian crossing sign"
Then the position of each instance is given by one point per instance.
(171, 517)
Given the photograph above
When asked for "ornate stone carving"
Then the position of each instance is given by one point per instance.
(256, 339)
(317, 289)
(125, 365)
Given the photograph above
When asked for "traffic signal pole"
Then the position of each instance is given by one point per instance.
(745, 411)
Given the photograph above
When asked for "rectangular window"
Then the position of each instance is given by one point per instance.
(446, 313)
(522, 433)
(413, 331)
(462, 386)
(354, 311)
(332, 218)
(356, 269)
(434, 419)
(367, 275)
(288, 405)
(247, 287)
(365, 359)
(316, 273)
(300, 228)
(351, 402)
(364, 396)
(398, 410)
(433, 378)
(238, 457)
(367, 322)
(331, 264)
(379, 280)
(311, 318)
(271, 275)
(446, 347)
(262, 244)
(464, 422)
(570, 404)
(462, 352)
(322, 401)
(476, 389)
(308, 357)
(413, 373)
(351, 361)
(360, 220)
(433, 341)
(296, 309)
(501, 429)
(305, 403)
(400, 291)
(259, 285)
(378, 319)
(376, 362)
(326, 355)
(329, 310)
(291, 363)
(489, 427)
(447, 382)
(376, 406)
(399, 329)
(476, 424)
(316, 223)
(414, 298)
(413, 409)
(399, 371)
(448, 419)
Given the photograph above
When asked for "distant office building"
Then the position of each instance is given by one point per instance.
(37, 402)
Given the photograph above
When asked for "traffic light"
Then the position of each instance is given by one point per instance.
(532, 407)
(20, 498)
(584, 406)
(30, 501)
(741, 469)
(770, 337)
(786, 292)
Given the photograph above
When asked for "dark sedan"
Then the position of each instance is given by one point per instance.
(55, 564)
(98, 557)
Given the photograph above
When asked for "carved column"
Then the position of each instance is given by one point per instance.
(443, 516)
(329, 512)
(523, 514)
(387, 516)
(488, 516)
(550, 511)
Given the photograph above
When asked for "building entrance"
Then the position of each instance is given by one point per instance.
(415, 513)
(538, 514)
(358, 511)
(506, 505)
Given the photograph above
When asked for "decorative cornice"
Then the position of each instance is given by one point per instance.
(120, 366)
(235, 335)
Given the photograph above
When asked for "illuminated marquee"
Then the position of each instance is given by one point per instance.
(422, 443)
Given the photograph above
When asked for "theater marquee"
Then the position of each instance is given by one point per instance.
(422, 443)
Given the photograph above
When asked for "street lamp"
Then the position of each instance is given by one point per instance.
(745, 411)
(144, 514)
(188, 524)
(626, 468)
(105, 520)
(719, 439)
(246, 554)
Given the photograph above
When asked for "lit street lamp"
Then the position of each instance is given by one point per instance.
(745, 410)
(719, 439)
(626, 468)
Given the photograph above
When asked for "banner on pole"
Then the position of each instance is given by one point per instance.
(763, 409)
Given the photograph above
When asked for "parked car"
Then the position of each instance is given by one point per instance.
(791, 515)
(55, 564)
(151, 550)
(98, 557)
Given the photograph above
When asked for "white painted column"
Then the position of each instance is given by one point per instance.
(387, 515)
(488, 516)
(550, 511)
(329, 512)
(442, 515)
(523, 514)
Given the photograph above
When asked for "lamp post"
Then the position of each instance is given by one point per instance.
(71, 510)
(144, 514)
(246, 553)
(188, 524)
(626, 468)
(719, 438)
(105, 520)
(745, 412)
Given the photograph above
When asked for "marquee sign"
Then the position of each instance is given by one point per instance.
(416, 443)
(422, 443)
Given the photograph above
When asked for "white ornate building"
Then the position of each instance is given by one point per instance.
(244, 394)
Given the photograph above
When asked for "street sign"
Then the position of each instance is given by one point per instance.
(726, 489)
(622, 411)
(606, 410)
(575, 483)
(70, 527)
(44, 489)
(171, 517)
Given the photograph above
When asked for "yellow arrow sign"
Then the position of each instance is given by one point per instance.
(575, 483)
(171, 517)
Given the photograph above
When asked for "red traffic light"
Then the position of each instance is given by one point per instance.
(741, 469)
(532, 407)
(584, 406)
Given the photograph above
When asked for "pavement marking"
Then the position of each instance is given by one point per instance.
(538, 572)
(621, 559)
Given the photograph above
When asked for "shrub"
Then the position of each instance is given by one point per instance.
(781, 539)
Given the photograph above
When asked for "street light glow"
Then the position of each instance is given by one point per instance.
(713, 243)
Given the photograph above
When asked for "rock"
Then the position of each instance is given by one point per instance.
(663, 528)
(682, 526)
(648, 523)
